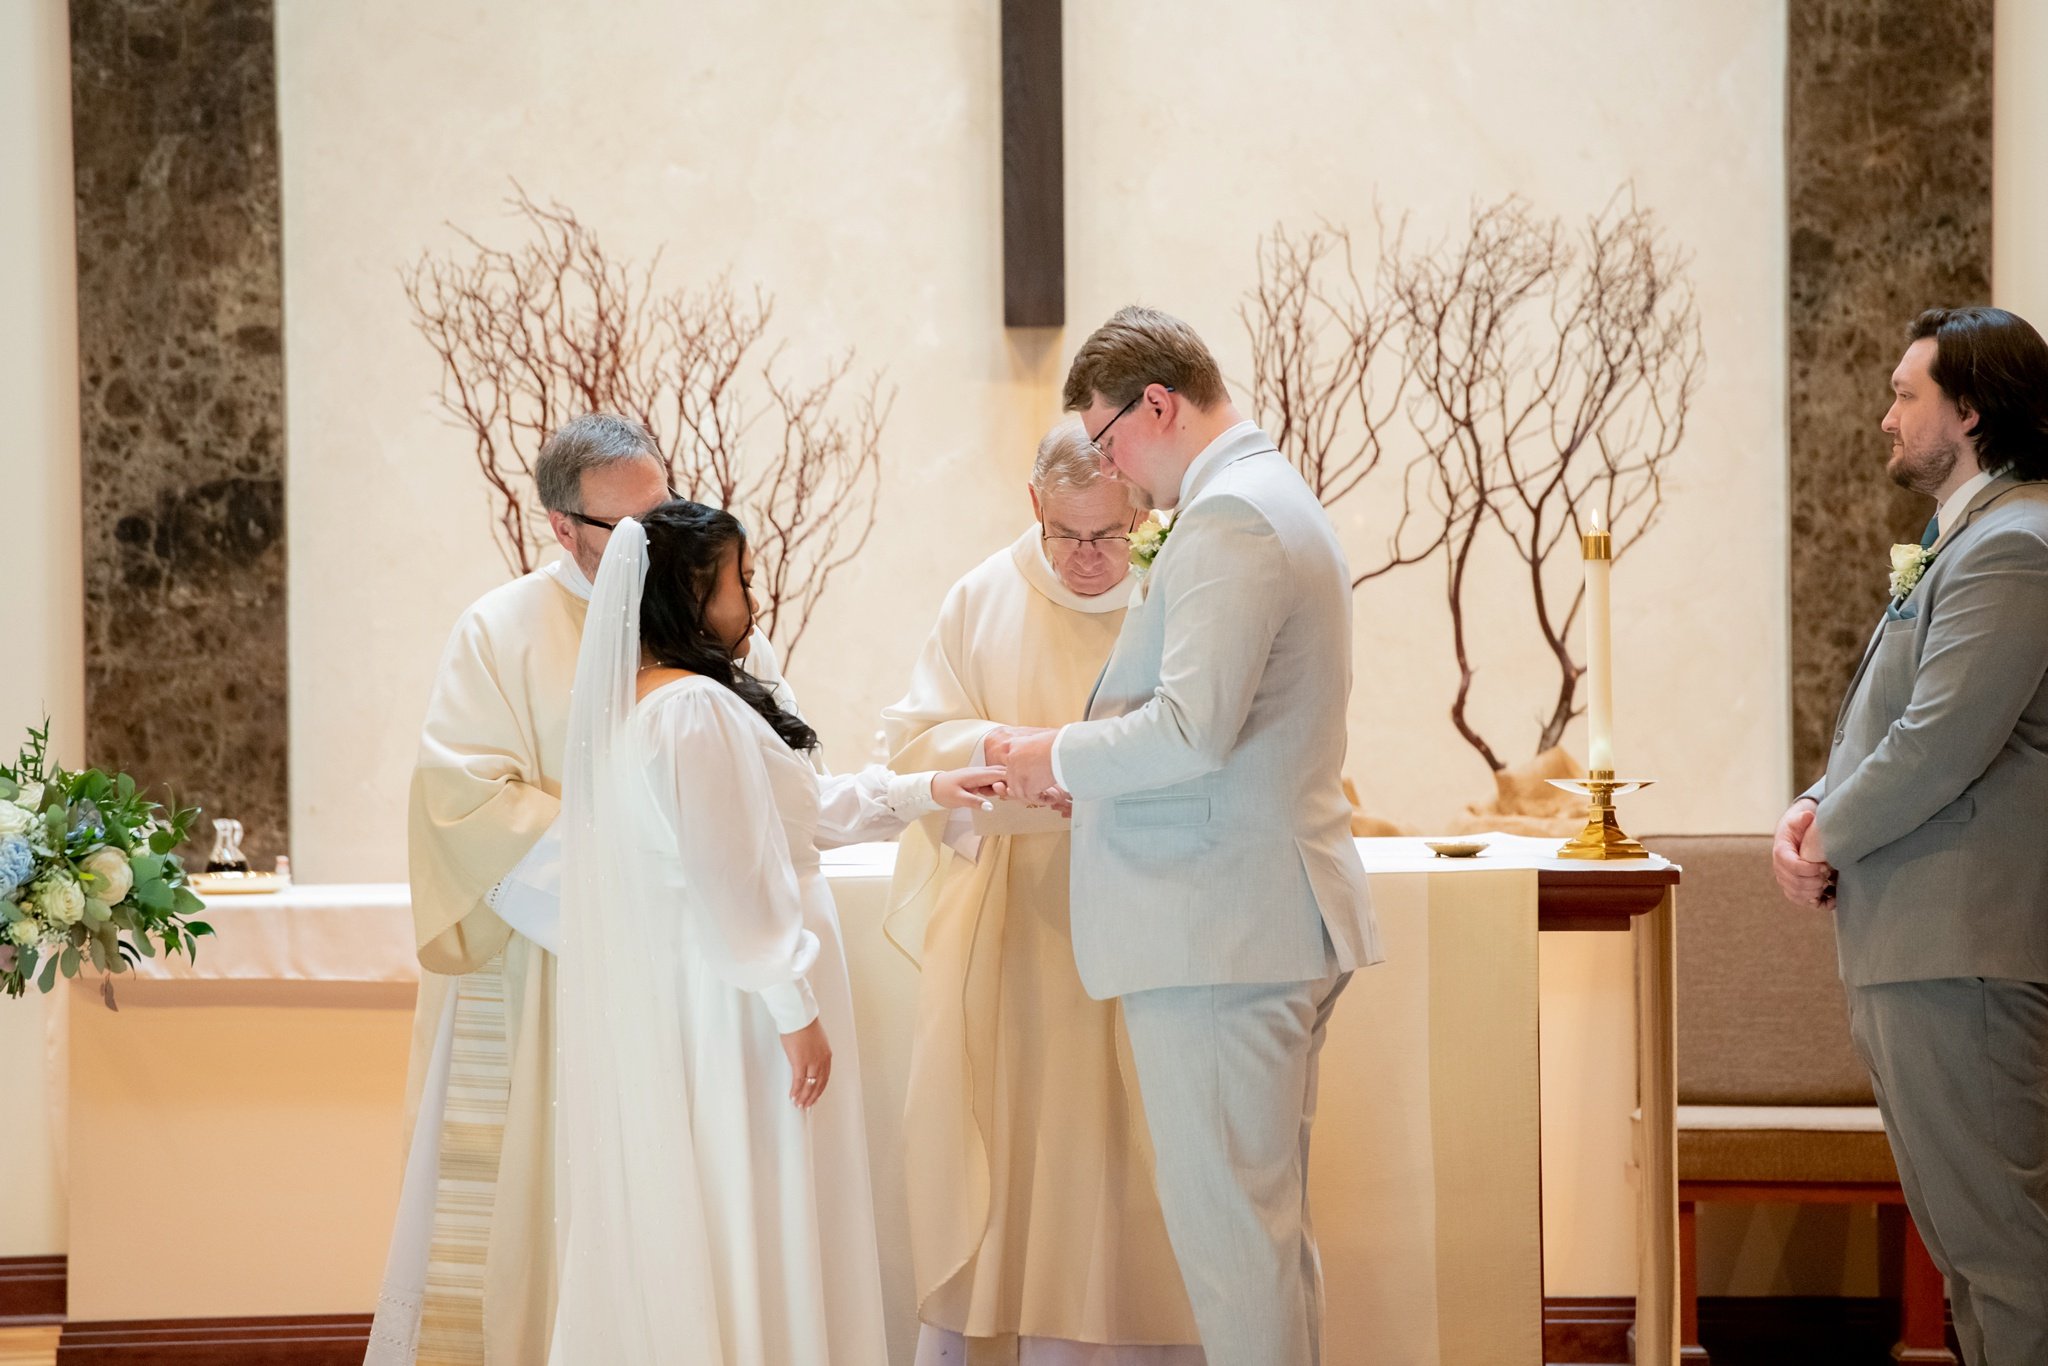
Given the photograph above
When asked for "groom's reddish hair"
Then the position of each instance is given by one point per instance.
(1140, 346)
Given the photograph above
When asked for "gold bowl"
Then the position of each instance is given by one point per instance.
(1456, 848)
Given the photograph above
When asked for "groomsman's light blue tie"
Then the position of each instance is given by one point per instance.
(1927, 537)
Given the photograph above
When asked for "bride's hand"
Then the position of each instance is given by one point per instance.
(810, 1063)
(966, 787)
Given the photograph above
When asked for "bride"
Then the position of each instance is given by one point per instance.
(713, 1203)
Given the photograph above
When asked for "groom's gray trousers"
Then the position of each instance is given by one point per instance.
(1228, 1078)
(1960, 1067)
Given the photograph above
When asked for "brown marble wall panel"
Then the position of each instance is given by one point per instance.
(174, 117)
(1888, 169)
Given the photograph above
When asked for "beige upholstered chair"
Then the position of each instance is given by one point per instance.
(1773, 1103)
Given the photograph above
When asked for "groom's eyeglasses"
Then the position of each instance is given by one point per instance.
(1095, 441)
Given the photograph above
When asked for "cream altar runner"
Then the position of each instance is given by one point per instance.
(1425, 1174)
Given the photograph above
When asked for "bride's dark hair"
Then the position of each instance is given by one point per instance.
(687, 545)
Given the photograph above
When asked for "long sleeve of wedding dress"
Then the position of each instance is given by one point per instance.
(873, 804)
(744, 900)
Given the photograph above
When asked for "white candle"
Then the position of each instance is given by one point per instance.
(1598, 547)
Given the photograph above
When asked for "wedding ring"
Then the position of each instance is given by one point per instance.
(810, 1076)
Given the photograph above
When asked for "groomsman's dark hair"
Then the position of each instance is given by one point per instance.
(687, 546)
(1994, 364)
(1140, 346)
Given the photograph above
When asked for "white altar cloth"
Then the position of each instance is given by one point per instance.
(1425, 1177)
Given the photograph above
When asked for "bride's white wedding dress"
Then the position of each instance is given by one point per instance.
(702, 1217)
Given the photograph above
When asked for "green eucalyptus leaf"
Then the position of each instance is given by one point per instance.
(70, 961)
(9, 789)
(163, 841)
(49, 981)
(187, 902)
(26, 963)
(154, 895)
(144, 945)
(10, 913)
(198, 927)
(98, 953)
(97, 912)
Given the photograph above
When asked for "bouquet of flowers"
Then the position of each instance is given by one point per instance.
(87, 874)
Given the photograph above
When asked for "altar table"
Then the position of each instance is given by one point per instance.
(1425, 1176)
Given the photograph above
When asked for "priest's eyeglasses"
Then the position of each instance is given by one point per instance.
(1119, 544)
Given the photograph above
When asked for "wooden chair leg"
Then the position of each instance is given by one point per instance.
(1689, 1349)
(1923, 1306)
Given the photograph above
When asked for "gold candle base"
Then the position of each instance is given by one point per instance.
(1603, 837)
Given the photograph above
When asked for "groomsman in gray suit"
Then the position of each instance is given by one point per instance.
(1216, 889)
(1929, 834)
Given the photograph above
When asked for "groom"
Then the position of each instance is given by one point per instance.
(1216, 889)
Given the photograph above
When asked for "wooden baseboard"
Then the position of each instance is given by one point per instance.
(1587, 1330)
(297, 1340)
(31, 1290)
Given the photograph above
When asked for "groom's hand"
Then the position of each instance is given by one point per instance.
(1027, 765)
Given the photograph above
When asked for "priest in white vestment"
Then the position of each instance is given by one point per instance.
(471, 1274)
(1035, 1234)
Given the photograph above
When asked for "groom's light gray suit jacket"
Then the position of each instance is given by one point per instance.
(1212, 838)
(1935, 804)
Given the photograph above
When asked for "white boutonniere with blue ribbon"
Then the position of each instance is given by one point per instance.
(1909, 563)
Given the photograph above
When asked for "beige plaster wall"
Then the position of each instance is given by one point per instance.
(44, 673)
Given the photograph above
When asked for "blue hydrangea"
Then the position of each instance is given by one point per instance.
(17, 861)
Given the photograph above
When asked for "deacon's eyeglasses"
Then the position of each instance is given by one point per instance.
(600, 523)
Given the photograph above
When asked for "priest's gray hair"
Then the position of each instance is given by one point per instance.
(587, 443)
(1066, 461)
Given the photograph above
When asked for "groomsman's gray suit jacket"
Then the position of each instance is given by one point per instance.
(1212, 838)
(1935, 804)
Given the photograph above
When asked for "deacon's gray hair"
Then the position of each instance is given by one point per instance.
(587, 443)
(1066, 461)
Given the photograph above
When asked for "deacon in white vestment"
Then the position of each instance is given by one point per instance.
(1035, 1233)
(1217, 891)
(471, 1273)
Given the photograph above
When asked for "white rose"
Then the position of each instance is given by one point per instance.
(14, 820)
(59, 898)
(24, 932)
(31, 798)
(111, 876)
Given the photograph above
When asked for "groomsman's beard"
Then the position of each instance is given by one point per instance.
(1926, 470)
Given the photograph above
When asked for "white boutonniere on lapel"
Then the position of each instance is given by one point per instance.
(1147, 541)
(1909, 562)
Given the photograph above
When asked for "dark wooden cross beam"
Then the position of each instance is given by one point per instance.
(1034, 199)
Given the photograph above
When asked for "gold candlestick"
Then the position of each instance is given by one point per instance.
(1603, 837)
